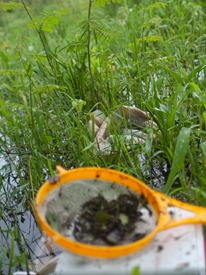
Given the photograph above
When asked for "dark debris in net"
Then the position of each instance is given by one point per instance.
(114, 222)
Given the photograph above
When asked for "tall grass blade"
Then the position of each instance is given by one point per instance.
(179, 156)
(203, 147)
(11, 254)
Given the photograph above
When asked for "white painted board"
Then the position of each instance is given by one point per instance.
(175, 251)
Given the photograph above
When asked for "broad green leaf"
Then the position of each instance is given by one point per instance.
(175, 75)
(136, 271)
(179, 156)
(195, 87)
(195, 71)
(184, 74)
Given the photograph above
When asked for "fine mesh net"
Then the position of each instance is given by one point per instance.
(98, 212)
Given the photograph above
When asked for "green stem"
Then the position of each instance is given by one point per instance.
(89, 37)
(89, 48)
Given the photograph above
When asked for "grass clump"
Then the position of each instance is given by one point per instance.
(58, 65)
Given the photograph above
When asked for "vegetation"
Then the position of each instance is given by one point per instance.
(61, 60)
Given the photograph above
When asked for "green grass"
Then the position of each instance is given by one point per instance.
(62, 65)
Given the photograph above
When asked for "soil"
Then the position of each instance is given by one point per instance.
(109, 223)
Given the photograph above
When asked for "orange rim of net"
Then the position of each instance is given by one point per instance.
(101, 174)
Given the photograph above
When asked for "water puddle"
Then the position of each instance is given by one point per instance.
(21, 241)
(154, 171)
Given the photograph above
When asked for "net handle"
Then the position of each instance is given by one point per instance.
(165, 202)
